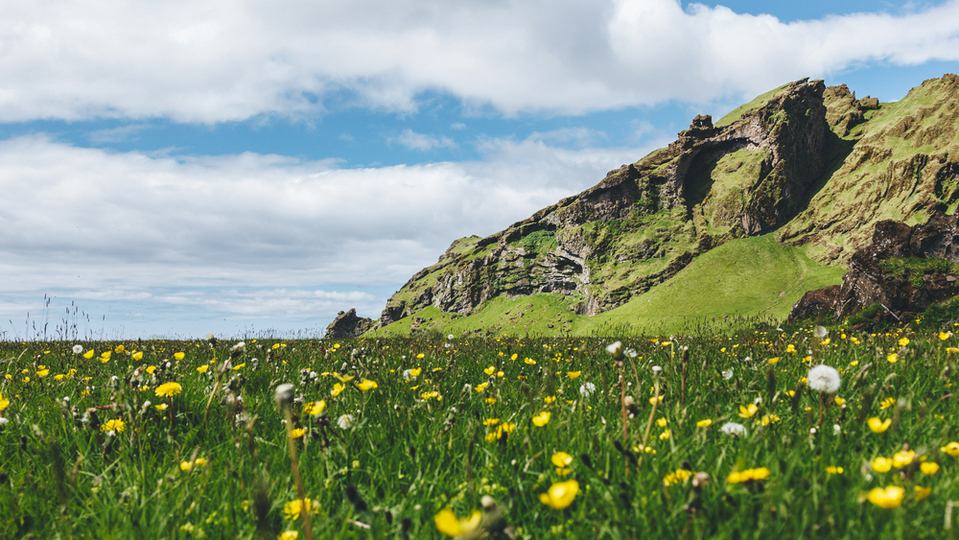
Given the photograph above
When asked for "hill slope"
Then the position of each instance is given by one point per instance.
(780, 193)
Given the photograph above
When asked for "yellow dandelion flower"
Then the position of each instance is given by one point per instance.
(886, 403)
(179, 355)
(168, 389)
(292, 509)
(113, 425)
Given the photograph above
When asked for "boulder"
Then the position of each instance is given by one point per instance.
(347, 325)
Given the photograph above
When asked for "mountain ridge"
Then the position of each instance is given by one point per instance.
(795, 162)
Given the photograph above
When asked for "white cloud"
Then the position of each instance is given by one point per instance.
(205, 61)
(421, 142)
(251, 236)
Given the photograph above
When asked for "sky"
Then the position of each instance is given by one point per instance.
(251, 168)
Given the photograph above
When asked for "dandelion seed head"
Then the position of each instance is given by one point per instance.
(823, 378)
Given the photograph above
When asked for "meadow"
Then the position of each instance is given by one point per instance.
(756, 434)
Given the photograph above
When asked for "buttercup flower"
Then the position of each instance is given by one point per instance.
(448, 524)
(704, 423)
(541, 419)
(561, 459)
(903, 458)
(887, 497)
(293, 508)
(877, 425)
(881, 464)
(952, 449)
(560, 495)
(366, 384)
(748, 411)
(929, 468)
(738, 477)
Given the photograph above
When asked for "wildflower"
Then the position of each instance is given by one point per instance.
(921, 492)
(560, 495)
(238, 367)
(877, 425)
(952, 448)
(288, 535)
(655, 399)
(662, 422)
(732, 428)
(727, 374)
(676, 477)
(337, 388)
(748, 411)
(747, 475)
(491, 421)
(541, 419)
(77, 349)
(297, 433)
(945, 335)
(664, 436)
(161, 407)
(491, 401)
(704, 423)
(573, 374)
(881, 464)
(168, 389)
(293, 508)
(887, 497)
(138, 355)
(561, 459)
(410, 374)
(952, 350)
(903, 342)
(615, 349)
(113, 425)
(366, 384)
(185, 466)
(490, 370)
(238, 348)
(839, 401)
(529, 361)
(834, 470)
(587, 389)
(903, 458)
(345, 421)
(448, 524)
(549, 399)
(179, 355)
(886, 403)
(892, 359)
(790, 348)
(203, 368)
(105, 357)
(89, 354)
(929, 468)
(773, 360)
(769, 419)
(823, 378)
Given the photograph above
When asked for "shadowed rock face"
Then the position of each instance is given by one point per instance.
(645, 221)
(348, 324)
(867, 282)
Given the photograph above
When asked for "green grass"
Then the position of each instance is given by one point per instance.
(747, 277)
(756, 103)
(750, 277)
(417, 446)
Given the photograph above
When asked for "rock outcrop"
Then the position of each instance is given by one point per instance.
(645, 221)
(871, 280)
(348, 324)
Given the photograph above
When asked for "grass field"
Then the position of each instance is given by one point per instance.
(718, 437)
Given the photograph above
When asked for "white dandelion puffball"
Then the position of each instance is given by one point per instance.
(732, 428)
(727, 374)
(823, 378)
(77, 349)
(345, 421)
(284, 394)
(587, 389)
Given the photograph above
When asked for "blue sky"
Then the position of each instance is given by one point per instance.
(191, 167)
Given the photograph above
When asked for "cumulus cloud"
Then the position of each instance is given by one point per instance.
(205, 61)
(254, 235)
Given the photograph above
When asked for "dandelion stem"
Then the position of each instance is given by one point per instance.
(300, 492)
(622, 404)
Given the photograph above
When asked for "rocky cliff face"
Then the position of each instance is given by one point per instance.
(848, 178)
(872, 280)
(645, 221)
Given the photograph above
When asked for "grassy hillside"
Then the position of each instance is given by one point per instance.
(752, 277)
